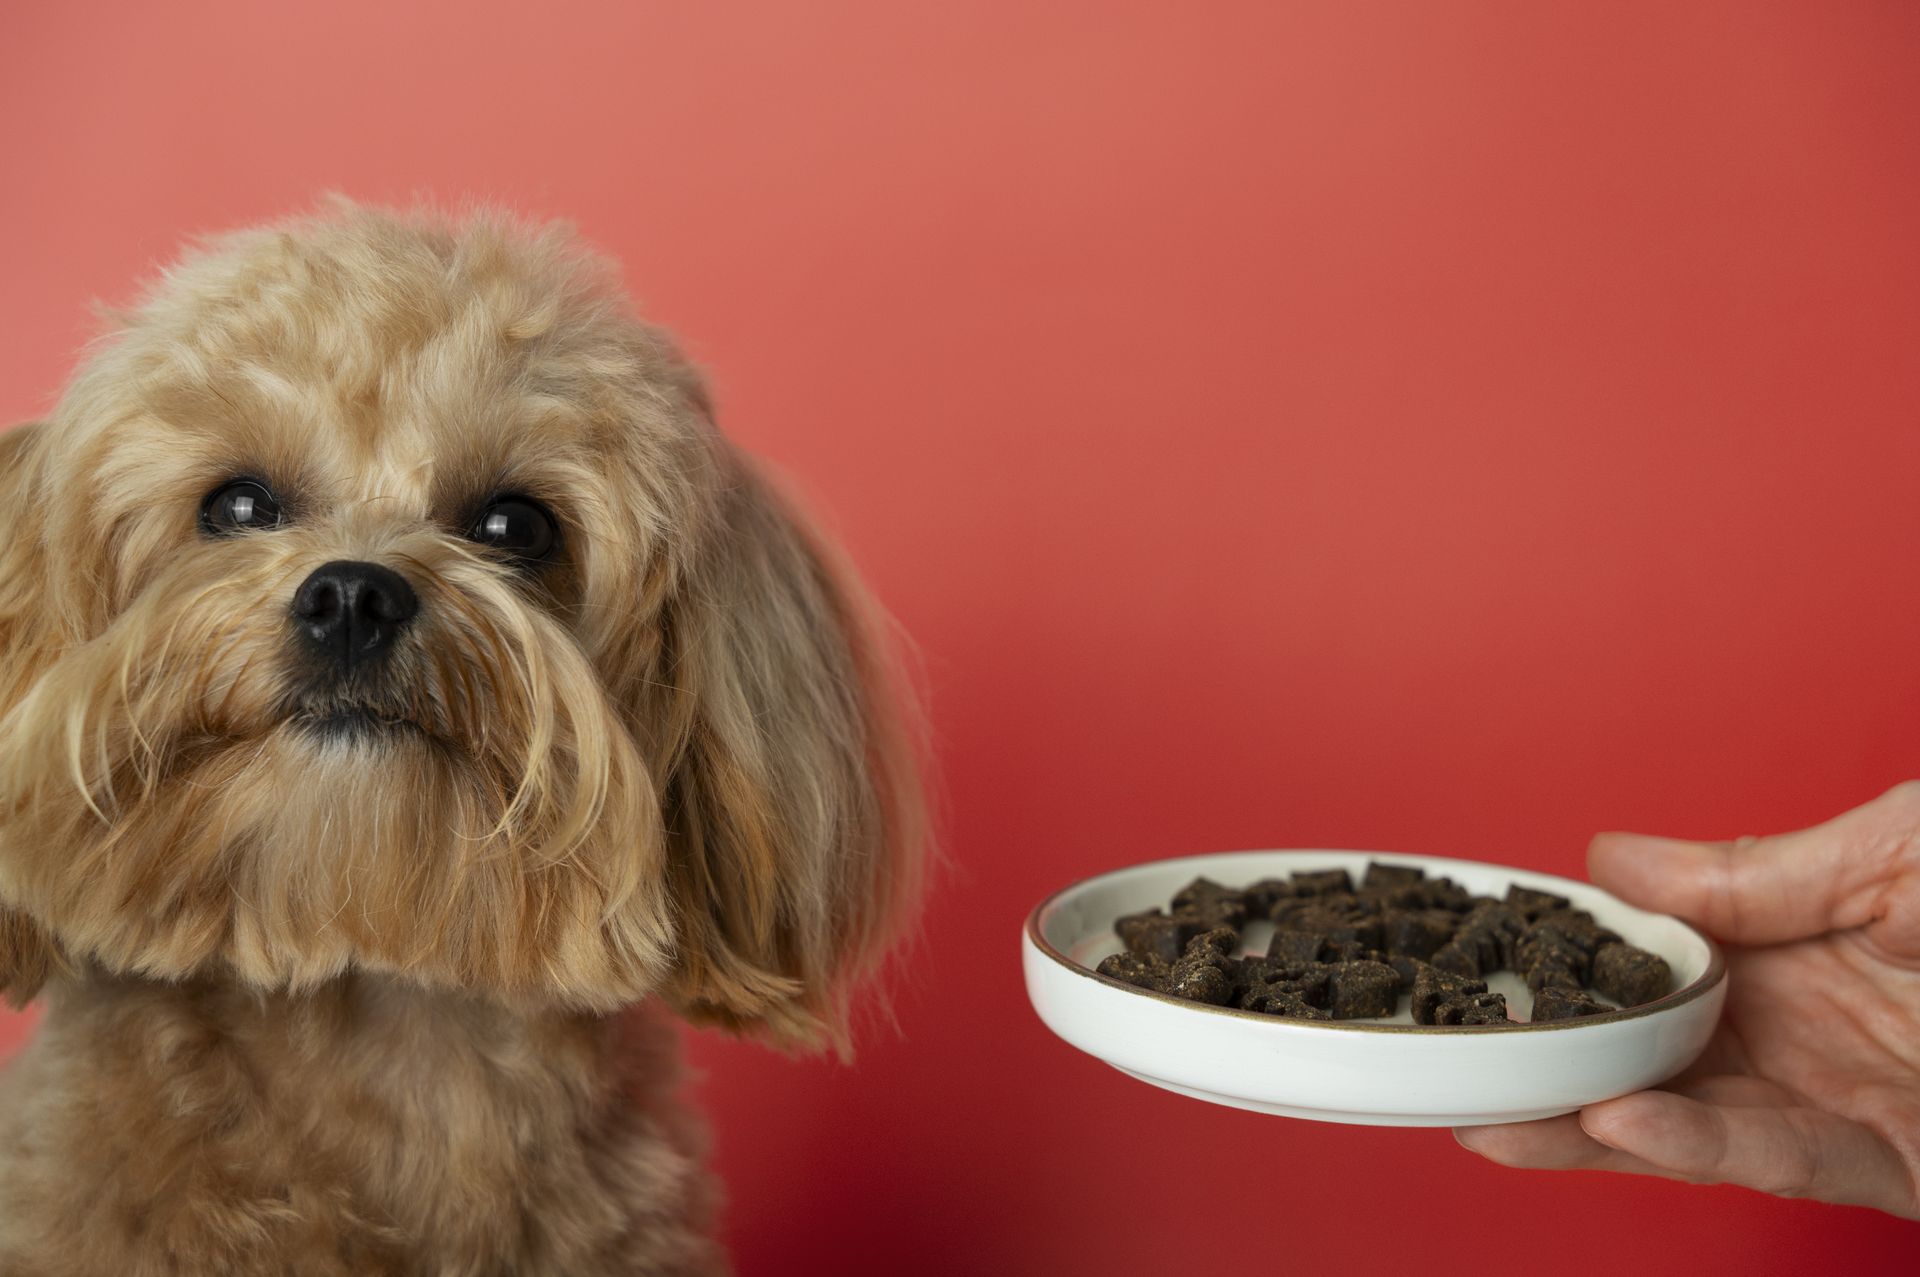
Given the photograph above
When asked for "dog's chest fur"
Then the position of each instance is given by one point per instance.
(369, 1128)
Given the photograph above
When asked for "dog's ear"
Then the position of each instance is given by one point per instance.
(27, 957)
(792, 800)
(23, 554)
(27, 954)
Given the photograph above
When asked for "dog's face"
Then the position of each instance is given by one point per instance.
(381, 596)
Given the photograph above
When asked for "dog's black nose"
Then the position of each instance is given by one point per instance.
(351, 612)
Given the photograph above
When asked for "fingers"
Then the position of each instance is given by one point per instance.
(1790, 1152)
(1550, 1144)
(1741, 1137)
(1563, 1144)
(1769, 890)
(1734, 1091)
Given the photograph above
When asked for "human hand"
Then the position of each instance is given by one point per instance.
(1810, 1086)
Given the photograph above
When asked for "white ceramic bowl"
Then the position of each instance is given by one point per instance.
(1378, 1072)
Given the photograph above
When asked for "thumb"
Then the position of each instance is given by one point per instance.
(1850, 872)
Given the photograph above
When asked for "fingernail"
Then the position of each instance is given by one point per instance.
(1597, 1119)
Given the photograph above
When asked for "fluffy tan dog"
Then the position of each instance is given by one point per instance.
(405, 691)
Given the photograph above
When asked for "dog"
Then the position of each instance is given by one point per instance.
(409, 703)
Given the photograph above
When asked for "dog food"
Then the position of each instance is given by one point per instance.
(1551, 1002)
(1341, 952)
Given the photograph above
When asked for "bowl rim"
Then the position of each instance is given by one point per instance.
(1715, 972)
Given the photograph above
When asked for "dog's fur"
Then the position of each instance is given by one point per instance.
(389, 1002)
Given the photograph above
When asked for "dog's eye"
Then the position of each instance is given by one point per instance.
(518, 526)
(240, 506)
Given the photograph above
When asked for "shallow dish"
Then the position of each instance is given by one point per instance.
(1377, 1072)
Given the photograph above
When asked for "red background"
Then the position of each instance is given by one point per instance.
(1452, 428)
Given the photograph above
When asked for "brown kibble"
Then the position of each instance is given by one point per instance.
(1630, 976)
(1200, 890)
(1552, 1003)
(1433, 986)
(1307, 913)
(1351, 951)
(1307, 981)
(1407, 968)
(1198, 980)
(1367, 932)
(1210, 905)
(1414, 934)
(1323, 882)
(1413, 896)
(1345, 953)
(1131, 968)
(1338, 922)
(1552, 975)
(1389, 876)
(1533, 903)
(1262, 896)
(1496, 928)
(1457, 959)
(1445, 893)
(1280, 1002)
(1572, 927)
(1475, 1008)
(1295, 947)
(1549, 957)
(1221, 940)
(1155, 934)
(1544, 941)
(1362, 990)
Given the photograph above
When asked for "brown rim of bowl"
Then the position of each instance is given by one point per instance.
(1716, 961)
